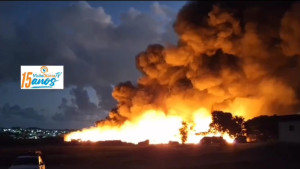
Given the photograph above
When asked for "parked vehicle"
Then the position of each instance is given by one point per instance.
(212, 141)
(31, 160)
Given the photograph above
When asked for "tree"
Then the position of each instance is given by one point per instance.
(225, 122)
(184, 132)
(263, 127)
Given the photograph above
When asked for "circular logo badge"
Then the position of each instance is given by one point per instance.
(44, 69)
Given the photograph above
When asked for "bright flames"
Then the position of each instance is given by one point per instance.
(155, 126)
(223, 61)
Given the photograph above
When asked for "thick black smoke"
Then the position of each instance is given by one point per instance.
(240, 57)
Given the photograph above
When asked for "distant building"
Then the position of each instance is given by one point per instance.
(285, 128)
(289, 130)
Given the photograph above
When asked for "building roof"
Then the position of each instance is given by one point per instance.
(291, 117)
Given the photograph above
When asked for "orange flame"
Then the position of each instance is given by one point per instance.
(155, 126)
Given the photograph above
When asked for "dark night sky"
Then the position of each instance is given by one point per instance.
(95, 41)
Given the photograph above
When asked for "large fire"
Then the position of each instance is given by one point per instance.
(242, 60)
(155, 126)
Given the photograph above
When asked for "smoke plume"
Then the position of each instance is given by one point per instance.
(241, 58)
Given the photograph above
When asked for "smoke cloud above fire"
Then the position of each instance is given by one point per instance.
(240, 57)
(236, 57)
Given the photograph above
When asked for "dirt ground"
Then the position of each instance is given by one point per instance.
(92, 156)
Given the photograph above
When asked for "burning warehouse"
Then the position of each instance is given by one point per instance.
(237, 57)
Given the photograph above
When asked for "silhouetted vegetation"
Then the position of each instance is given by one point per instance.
(263, 127)
(225, 122)
(184, 132)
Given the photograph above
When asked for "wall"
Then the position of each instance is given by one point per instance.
(289, 131)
